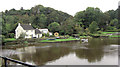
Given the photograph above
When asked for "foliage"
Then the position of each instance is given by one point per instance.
(54, 27)
(54, 20)
(45, 35)
(67, 27)
(86, 17)
(39, 16)
(93, 27)
(9, 39)
(26, 42)
(22, 35)
(58, 40)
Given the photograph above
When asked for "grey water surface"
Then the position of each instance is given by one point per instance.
(98, 51)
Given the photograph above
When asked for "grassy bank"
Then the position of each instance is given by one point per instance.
(114, 36)
(108, 32)
(58, 40)
(9, 39)
(105, 33)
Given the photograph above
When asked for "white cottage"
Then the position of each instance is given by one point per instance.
(45, 31)
(28, 30)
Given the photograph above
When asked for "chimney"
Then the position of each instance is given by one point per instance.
(29, 23)
(18, 24)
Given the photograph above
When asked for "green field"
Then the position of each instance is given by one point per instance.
(9, 39)
(114, 36)
(58, 40)
(111, 33)
(108, 32)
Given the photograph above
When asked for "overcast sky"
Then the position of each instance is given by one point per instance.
(68, 6)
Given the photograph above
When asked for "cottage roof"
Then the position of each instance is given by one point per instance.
(37, 31)
(27, 27)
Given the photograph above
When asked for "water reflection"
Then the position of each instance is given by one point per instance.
(94, 51)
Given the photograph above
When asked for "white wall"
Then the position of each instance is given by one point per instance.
(30, 33)
(44, 31)
(19, 30)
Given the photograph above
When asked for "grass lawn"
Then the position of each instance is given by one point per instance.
(10, 39)
(58, 40)
(114, 36)
(108, 32)
(111, 33)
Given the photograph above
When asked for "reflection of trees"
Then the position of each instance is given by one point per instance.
(91, 55)
(43, 55)
(98, 43)
(94, 52)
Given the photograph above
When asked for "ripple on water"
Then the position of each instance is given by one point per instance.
(9, 52)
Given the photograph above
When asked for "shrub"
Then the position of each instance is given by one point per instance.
(66, 36)
(11, 35)
(22, 36)
(47, 35)
(52, 36)
(82, 34)
(99, 32)
(25, 41)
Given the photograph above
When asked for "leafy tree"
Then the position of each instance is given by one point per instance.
(78, 29)
(114, 22)
(54, 27)
(84, 18)
(93, 27)
(67, 27)
(22, 35)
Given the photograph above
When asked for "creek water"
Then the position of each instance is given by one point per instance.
(97, 51)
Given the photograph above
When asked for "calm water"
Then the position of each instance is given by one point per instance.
(95, 52)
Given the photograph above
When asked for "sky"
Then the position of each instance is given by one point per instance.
(68, 6)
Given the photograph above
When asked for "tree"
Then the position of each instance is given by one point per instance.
(54, 27)
(78, 29)
(67, 27)
(114, 22)
(93, 27)
(22, 35)
(89, 15)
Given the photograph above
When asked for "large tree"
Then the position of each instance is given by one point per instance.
(93, 27)
(54, 27)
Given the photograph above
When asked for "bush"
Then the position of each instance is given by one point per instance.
(47, 35)
(99, 32)
(52, 36)
(83, 34)
(11, 35)
(22, 36)
(25, 41)
(43, 34)
(66, 36)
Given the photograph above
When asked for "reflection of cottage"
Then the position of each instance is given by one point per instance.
(28, 31)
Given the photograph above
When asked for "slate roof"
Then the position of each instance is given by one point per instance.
(37, 31)
(27, 27)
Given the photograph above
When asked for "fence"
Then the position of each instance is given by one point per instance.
(15, 61)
